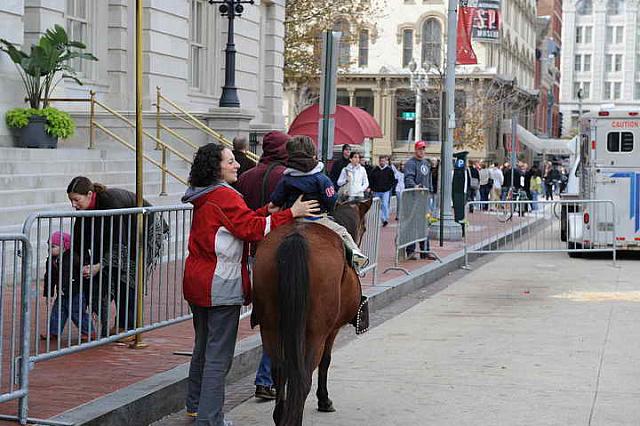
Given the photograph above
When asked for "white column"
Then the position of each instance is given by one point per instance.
(12, 93)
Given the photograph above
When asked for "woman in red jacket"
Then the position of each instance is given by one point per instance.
(216, 279)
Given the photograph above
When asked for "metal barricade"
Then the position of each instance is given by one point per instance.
(413, 225)
(371, 238)
(563, 226)
(15, 257)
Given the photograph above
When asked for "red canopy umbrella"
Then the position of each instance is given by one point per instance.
(352, 125)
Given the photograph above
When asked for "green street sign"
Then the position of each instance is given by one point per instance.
(408, 115)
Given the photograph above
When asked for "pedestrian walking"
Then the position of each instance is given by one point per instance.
(535, 187)
(354, 179)
(486, 183)
(240, 149)
(216, 280)
(340, 164)
(417, 174)
(383, 180)
(498, 179)
(473, 190)
(257, 185)
(108, 247)
(398, 173)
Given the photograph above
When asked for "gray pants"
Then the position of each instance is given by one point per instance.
(216, 330)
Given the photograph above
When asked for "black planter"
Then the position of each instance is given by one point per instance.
(34, 134)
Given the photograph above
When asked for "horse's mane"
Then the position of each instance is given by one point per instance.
(346, 214)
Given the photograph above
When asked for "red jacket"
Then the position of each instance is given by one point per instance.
(216, 270)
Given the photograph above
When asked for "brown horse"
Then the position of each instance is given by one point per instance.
(304, 292)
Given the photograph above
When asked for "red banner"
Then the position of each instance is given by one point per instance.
(465, 53)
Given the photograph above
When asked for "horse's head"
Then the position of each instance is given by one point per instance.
(351, 215)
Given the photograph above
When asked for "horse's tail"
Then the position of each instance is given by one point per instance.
(293, 301)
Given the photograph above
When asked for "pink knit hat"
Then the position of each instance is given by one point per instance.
(61, 239)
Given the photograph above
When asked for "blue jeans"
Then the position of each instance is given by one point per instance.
(535, 195)
(385, 198)
(60, 314)
(263, 375)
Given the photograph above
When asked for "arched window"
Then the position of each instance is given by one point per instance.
(614, 7)
(584, 7)
(431, 42)
(407, 47)
(344, 47)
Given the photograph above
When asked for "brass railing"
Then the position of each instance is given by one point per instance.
(190, 119)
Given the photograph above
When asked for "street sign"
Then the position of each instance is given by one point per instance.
(408, 115)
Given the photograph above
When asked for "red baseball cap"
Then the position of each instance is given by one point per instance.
(420, 145)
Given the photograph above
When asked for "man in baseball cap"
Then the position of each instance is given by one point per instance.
(417, 174)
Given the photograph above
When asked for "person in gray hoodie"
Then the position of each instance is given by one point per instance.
(417, 174)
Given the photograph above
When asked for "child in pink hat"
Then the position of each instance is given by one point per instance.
(63, 280)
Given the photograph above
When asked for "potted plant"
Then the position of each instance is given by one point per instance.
(41, 71)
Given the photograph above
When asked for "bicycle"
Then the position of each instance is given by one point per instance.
(505, 208)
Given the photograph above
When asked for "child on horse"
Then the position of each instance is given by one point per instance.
(304, 176)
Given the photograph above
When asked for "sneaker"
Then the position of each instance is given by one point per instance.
(192, 414)
(384, 223)
(413, 256)
(360, 260)
(265, 392)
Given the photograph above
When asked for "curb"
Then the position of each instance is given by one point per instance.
(158, 396)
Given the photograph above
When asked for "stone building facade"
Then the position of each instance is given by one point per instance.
(184, 42)
(600, 55)
(378, 78)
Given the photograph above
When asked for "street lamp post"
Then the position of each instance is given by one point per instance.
(230, 9)
(418, 83)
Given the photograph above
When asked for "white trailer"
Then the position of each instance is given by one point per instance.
(609, 169)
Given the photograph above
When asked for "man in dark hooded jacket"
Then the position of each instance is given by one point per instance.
(258, 183)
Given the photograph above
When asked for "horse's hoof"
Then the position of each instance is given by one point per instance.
(326, 407)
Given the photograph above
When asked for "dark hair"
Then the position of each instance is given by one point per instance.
(205, 169)
(346, 146)
(82, 185)
(301, 144)
(354, 153)
(240, 143)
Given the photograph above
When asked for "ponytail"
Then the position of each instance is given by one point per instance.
(83, 185)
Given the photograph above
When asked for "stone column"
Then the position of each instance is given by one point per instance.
(352, 96)
(12, 93)
(629, 65)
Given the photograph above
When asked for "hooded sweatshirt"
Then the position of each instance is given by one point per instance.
(314, 185)
(257, 184)
(216, 271)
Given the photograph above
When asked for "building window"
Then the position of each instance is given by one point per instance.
(586, 90)
(577, 63)
(587, 34)
(607, 90)
(614, 7)
(407, 47)
(586, 63)
(363, 48)
(78, 29)
(610, 31)
(197, 48)
(344, 47)
(619, 34)
(431, 43)
(584, 7)
(576, 89)
(617, 90)
(617, 63)
(579, 34)
(608, 63)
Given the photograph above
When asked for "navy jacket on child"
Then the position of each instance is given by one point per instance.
(314, 184)
(70, 280)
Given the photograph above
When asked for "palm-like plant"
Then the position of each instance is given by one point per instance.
(47, 64)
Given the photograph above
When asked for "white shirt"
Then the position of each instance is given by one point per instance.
(357, 182)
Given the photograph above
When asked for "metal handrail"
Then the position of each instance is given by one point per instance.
(194, 122)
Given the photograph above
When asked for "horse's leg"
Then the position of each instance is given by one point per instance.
(324, 403)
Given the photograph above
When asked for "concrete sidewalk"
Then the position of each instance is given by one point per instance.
(522, 340)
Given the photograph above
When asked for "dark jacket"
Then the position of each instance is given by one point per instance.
(516, 178)
(382, 180)
(244, 161)
(71, 277)
(336, 169)
(97, 237)
(417, 173)
(313, 184)
(257, 184)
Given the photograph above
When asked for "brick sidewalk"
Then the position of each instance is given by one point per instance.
(64, 383)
